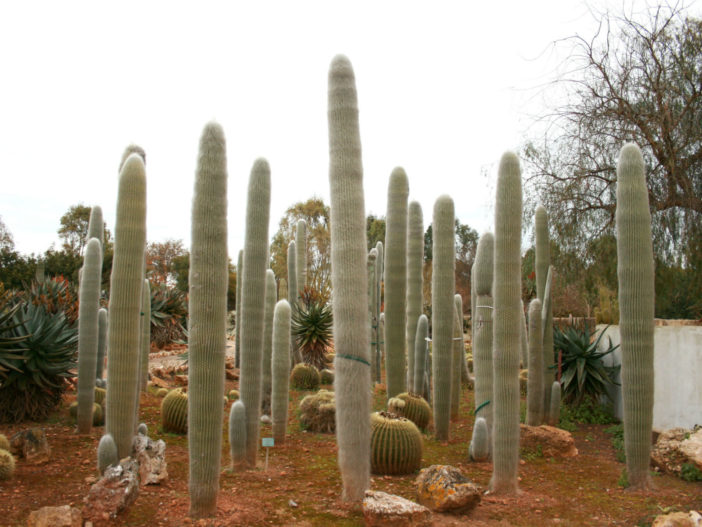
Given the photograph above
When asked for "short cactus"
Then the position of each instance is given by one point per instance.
(416, 409)
(420, 353)
(233, 395)
(162, 392)
(326, 377)
(554, 412)
(174, 412)
(7, 465)
(396, 445)
(237, 435)
(4, 442)
(305, 377)
(479, 449)
(106, 453)
(318, 412)
(142, 429)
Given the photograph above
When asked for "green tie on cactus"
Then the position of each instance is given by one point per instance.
(380, 330)
(547, 344)
(443, 312)
(352, 382)
(396, 445)
(636, 302)
(253, 299)
(416, 409)
(269, 307)
(280, 369)
(88, 333)
(483, 271)
(535, 382)
(415, 261)
(554, 407)
(301, 255)
(420, 353)
(396, 283)
(372, 292)
(102, 342)
(174, 412)
(106, 453)
(145, 334)
(207, 308)
(96, 227)
(542, 263)
(125, 304)
(295, 356)
(239, 281)
(479, 449)
(506, 325)
(458, 350)
(237, 436)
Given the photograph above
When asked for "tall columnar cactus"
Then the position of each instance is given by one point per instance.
(295, 356)
(237, 435)
(524, 337)
(636, 302)
(415, 260)
(239, 281)
(443, 309)
(102, 342)
(208, 279)
(547, 343)
(483, 271)
(506, 325)
(420, 353)
(88, 333)
(301, 254)
(379, 316)
(96, 226)
(535, 382)
(145, 342)
(352, 383)
(396, 282)
(253, 299)
(269, 307)
(542, 262)
(280, 369)
(283, 288)
(372, 293)
(125, 304)
(458, 350)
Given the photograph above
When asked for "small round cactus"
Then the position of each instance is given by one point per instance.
(174, 412)
(326, 376)
(106, 453)
(162, 392)
(318, 412)
(233, 395)
(396, 444)
(304, 377)
(416, 409)
(4, 442)
(7, 465)
(479, 449)
(100, 395)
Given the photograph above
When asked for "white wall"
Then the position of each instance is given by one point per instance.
(678, 375)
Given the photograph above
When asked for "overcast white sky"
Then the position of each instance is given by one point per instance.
(444, 88)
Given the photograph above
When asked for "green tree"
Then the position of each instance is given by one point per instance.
(375, 230)
(160, 258)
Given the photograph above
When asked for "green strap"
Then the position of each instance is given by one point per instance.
(481, 407)
(351, 357)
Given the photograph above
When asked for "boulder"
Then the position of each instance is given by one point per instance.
(181, 380)
(31, 445)
(382, 509)
(151, 456)
(549, 440)
(691, 448)
(676, 447)
(678, 519)
(442, 488)
(113, 493)
(63, 516)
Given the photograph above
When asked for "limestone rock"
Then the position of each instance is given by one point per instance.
(31, 445)
(382, 509)
(114, 492)
(675, 447)
(692, 448)
(151, 456)
(64, 516)
(553, 442)
(181, 380)
(678, 519)
(442, 488)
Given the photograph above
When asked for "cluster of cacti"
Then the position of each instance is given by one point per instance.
(535, 381)
(207, 309)
(326, 376)
(7, 464)
(379, 329)
(542, 268)
(635, 275)
(479, 449)
(305, 377)
(125, 303)
(300, 255)
(237, 435)
(239, 281)
(89, 305)
(269, 307)
(420, 355)
(145, 342)
(352, 383)
(416, 409)
(456, 361)
(102, 343)
(506, 325)
(443, 308)
(174, 412)
(415, 262)
(253, 300)
(280, 366)
(106, 453)
(396, 445)
(318, 412)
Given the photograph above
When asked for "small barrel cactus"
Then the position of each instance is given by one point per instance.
(396, 445)
(479, 449)
(7, 465)
(304, 377)
(326, 376)
(233, 395)
(106, 453)
(237, 435)
(98, 415)
(396, 406)
(100, 395)
(318, 412)
(416, 409)
(162, 392)
(4, 442)
(174, 412)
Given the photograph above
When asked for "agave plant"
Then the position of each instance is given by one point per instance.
(312, 328)
(56, 295)
(169, 311)
(11, 346)
(583, 371)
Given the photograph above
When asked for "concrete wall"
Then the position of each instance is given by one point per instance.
(678, 375)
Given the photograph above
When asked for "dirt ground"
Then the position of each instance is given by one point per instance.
(302, 485)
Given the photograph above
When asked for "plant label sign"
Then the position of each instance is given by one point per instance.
(267, 441)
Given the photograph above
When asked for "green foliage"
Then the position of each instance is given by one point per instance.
(396, 445)
(617, 433)
(312, 324)
(375, 230)
(583, 371)
(304, 377)
(690, 472)
(169, 311)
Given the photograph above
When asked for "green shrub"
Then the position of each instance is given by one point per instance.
(169, 311)
(690, 472)
(617, 433)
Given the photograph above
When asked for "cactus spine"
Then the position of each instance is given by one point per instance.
(348, 251)
(252, 300)
(88, 333)
(102, 342)
(636, 309)
(301, 255)
(542, 264)
(237, 435)
(415, 260)
(535, 382)
(239, 282)
(145, 334)
(379, 317)
(271, 299)
(125, 302)
(420, 353)
(209, 275)
(443, 312)
(506, 325)
(458, 350)
(280, 369)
